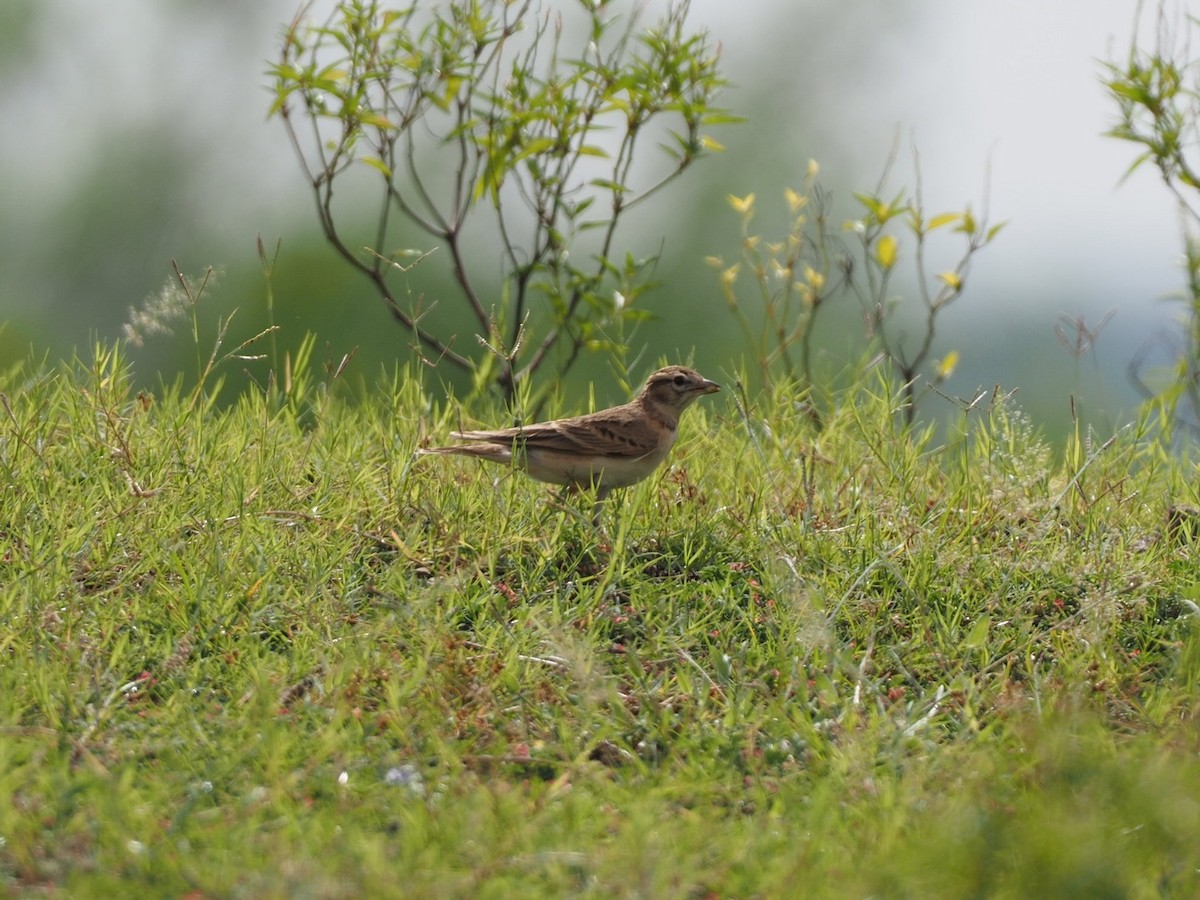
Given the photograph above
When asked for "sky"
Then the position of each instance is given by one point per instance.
(1010, 93)
(990, 93)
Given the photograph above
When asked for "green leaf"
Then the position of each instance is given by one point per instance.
(376, 163)
(879, 210)
(581, 207)
(332, 75)
(378, 120)
(534, 147)
(637, 315)
(718, 117)
(608, 346)
(941, 219)
(978, 635)
(615, 186)
(489, 181)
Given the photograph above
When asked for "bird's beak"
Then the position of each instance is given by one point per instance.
(709, 387)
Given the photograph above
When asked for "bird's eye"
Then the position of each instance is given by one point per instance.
(680, 380)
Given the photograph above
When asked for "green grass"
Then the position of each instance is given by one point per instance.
(265, 652)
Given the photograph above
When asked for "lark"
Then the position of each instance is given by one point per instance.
(608, 449)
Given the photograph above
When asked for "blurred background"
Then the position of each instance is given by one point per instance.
(136, 132)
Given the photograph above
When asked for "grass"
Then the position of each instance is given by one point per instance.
(264, 651)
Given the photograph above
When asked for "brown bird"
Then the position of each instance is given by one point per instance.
(608, 449)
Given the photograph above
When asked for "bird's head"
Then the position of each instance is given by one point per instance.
(675, 387)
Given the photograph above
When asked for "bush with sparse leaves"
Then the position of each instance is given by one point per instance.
(795, 278)
(502, 121)
(1155, 90)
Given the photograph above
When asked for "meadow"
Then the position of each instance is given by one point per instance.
(264, 650)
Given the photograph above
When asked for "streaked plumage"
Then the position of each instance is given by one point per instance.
(611, 448)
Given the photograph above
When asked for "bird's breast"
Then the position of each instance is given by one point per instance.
(581, 470)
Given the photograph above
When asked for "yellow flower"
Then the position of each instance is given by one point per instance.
(945, 368)
(742, 205)
(885, 252)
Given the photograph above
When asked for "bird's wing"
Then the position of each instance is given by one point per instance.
(613, 432)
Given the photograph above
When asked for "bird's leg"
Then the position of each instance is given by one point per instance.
(601, 496)
(562, 503)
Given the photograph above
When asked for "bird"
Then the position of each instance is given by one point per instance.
(608, 449)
